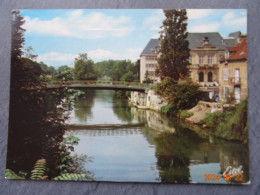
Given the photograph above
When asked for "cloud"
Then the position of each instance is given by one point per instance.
(155, 20)
(230, 19)
(76, 24)
(101, 54)
(57, 58)
(133, 53)
(198, 13)
(128, 54)
(155, 36)
(205, 28)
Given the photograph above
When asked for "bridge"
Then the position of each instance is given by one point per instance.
(109, 85)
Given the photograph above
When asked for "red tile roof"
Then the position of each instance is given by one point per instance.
(238, 52)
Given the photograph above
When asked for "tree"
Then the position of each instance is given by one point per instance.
(180, 95)
(84, 68)
(51, 70)
(63, 68)
(36, 119)
(174, 46)
(146, 78)
(28, 53)
(64, 74)
(47, 70)
(136, 70)
(129, 77)
(119, 69)
(17, 36)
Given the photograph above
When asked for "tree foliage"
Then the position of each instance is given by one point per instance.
(36, 119)
(128, 77)
(231, 124)
(173, 152)
(64, 73)
(104, 68)
(17, 36)
(180, 95)
(84, 68)
(47, 70)
(174, 46)
(28, 53)
(117, 69)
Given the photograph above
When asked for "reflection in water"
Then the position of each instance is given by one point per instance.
(153, 119)
(163, 150)
(173, 152)
(99, 107)
(122, 110)
(118, 155)
(83, 106)
(234, 154)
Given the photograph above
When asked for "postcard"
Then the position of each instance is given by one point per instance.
(129, 95)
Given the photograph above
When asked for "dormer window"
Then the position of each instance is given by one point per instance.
(154, 51)
(226, 54)
(205, 41)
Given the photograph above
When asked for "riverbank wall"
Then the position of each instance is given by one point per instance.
(150, 100)
(147, 100)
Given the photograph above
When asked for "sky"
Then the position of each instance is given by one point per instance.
(58, 36)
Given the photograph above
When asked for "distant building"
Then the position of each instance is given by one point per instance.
(233, 71)
(205, 51)
(148, 61)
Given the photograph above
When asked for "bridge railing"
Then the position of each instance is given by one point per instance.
(99, 83)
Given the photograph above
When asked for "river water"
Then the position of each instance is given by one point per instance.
(126, 144)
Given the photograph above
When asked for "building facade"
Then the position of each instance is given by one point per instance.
(206, 49)
(233, 72)
(148, 61)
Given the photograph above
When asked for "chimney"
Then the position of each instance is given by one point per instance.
(241, 38)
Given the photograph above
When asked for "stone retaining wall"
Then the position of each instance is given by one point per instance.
(147, 100)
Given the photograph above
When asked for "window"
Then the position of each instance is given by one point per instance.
(210, 76)
(150, 65)
(201, 77)
(151, 73)
(226, 74)
(150, 58)
(201, 60)
(210, 61)
(226, 92)
(190, 59)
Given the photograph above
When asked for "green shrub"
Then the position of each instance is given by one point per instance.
(121, 94)
(212, 120)
(9, 174)
(148, 80)
(232, 124)
(181, 95)
(168, 109)
(185, 114)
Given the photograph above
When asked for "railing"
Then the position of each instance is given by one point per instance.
(234, 80)
(93, 83)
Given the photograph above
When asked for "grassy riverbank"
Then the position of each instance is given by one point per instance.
(231, 124)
